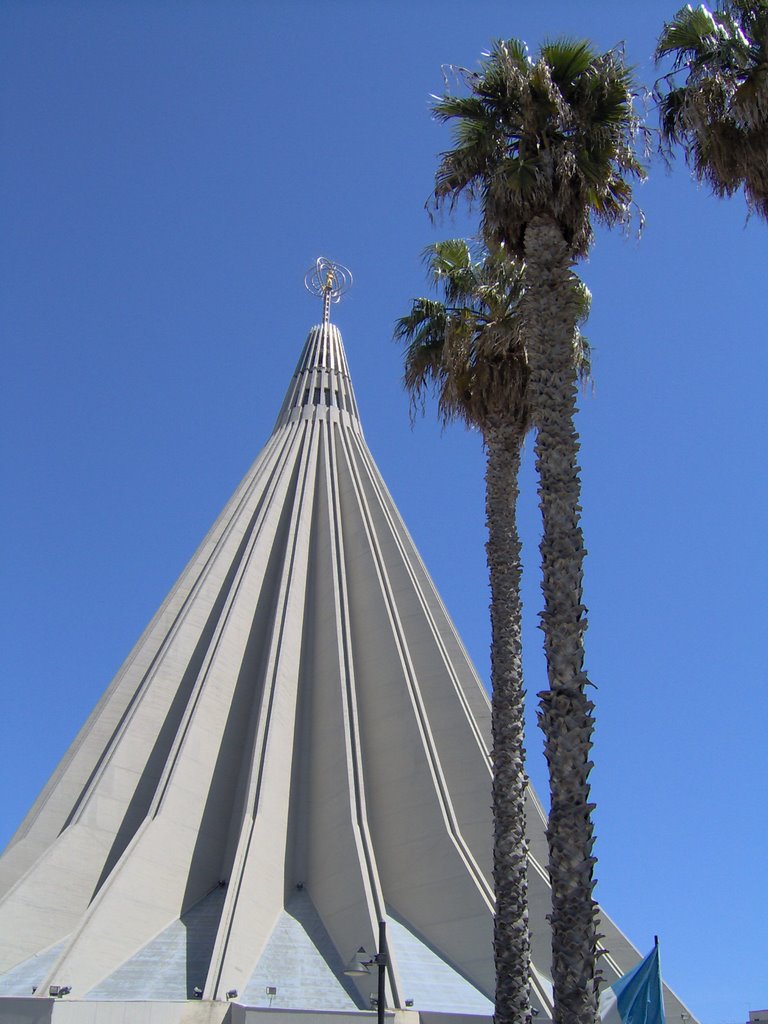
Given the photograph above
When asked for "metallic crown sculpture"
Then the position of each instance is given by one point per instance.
(328, 280)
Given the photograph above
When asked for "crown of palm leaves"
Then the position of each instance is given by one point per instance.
(553, 137)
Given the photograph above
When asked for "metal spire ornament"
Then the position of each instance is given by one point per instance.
(328, 280)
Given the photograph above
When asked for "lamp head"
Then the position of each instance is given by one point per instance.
(358, 964)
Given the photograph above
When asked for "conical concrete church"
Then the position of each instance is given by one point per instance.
(296, 749)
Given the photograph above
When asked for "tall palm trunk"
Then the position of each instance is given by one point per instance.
(510, 849)
(565, 716)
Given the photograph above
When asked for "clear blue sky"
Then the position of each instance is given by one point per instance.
(169, 171)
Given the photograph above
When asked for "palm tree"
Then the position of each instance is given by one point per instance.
(718, 114)
(544, 147)
(468, 350)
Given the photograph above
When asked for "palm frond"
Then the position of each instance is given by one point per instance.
(546, 136)
(568, 60)
(713, 105)
(691, 35)
(466, 348)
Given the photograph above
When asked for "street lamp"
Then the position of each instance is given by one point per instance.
(360, 962)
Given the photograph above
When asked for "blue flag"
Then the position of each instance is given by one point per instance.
(636, 998)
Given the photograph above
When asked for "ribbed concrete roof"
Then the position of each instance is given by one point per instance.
(296, 748)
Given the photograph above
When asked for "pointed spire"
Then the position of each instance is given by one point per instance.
(296, 750)
(321, 385)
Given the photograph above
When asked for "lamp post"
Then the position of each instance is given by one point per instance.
(358, 967)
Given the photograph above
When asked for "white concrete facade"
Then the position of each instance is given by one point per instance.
(296, 748)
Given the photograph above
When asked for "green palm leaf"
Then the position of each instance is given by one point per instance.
(713, 104)
(546, 135)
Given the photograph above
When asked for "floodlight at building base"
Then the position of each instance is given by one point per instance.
(359, 964)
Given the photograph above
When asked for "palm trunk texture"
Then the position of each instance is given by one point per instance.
(512, 946)
(565, 711)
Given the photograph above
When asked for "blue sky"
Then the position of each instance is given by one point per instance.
(169, 171)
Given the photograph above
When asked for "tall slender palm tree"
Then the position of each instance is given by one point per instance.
(545, 147)
(714, 102)
(467, 349)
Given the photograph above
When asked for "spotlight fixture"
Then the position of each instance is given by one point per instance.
(232, 994)
(408, 1004)
(358, 968)
(197, 992)
(57, 991)
(358, 964)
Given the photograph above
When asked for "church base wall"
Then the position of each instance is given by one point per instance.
(86, 1011)
(17, 1010)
